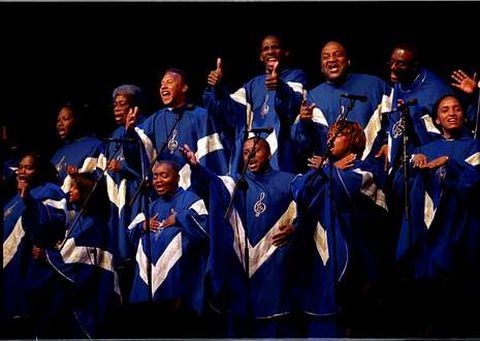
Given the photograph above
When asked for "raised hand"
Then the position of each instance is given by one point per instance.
(464, 82)
(71, 169)
(215, 76)
(419, 160)
(306, 111)
(272, 79)
(22, 188)
(315, 161)
(346, 161)
(132, 117)
(189, 155)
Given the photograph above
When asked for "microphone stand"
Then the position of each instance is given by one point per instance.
(81, 212)
(404, 112)
(142, 188)
(243, 185)
(342, 119)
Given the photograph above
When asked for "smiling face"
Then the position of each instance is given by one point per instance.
(173, 90)
(121, 106)
(271, 51)
(450, 116)
(165, 179)
(402, 66)
(261, 159)
(334, 61)
(65, 122)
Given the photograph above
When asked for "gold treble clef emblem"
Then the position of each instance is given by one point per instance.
(61, 164)
(260, 206)
(265, 108)
(173, 143)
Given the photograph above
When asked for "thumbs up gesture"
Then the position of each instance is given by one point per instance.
(271, 81)
(215, 76)
(306, 111)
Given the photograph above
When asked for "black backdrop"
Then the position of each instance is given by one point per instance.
(53, 52)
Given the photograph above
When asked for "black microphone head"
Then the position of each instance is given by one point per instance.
(267, 130)
(361, 98)
(405, 104)
(413, 101)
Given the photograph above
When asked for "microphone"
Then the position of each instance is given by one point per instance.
(267, 130)
(111, 139)
(360, 98)
(408, 103)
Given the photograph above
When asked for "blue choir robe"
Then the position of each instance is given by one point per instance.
(427, 88)
(121, 188)
(333, 242)
(81, 153)
(472, 121)
(311, 136)
(264, 289)
(443, 204)
(37, 220)
(253, 106)
(85, 278)
(178, 253)
(188, 125)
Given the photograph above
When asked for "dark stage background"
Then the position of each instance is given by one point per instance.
(52, 52)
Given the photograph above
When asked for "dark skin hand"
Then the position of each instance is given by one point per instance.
(272, 80)
(281, 238)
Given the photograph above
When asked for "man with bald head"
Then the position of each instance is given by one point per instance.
(419, 87)
(323, 105)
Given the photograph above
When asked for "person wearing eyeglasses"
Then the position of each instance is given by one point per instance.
(122, 179)
(417, 89)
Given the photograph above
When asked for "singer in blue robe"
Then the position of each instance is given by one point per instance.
(179, 246)
(22, 230)
(437, 250)
(180, 123)
(331, 101)
(420, 88)
(122, 178)
(444, 176)
(258, 104)
(79, 151)
(251, 266)
(339, 207)
(84, 285)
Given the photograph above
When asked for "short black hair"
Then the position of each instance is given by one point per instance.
(411, 47)
(175, 166)
(180, 72)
